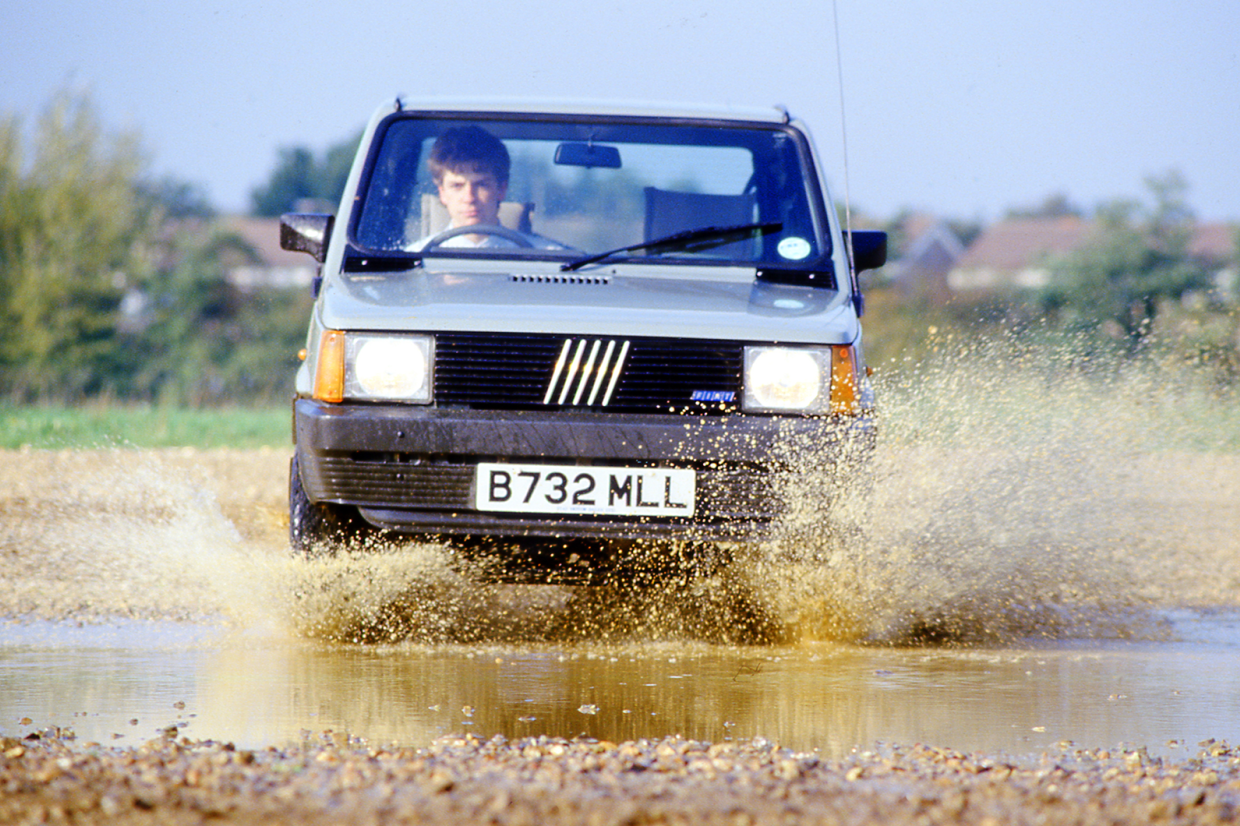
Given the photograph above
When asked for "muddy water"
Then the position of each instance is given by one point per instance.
(124, 683)
(1051, 556)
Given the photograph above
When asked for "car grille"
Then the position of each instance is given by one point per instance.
(514, 371)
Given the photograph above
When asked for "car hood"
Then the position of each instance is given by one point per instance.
(689, 303)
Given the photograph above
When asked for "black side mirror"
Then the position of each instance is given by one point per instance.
(869, 248)
(306, 232)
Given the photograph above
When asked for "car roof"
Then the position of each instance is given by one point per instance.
(769, 114)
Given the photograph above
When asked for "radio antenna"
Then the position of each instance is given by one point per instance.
(839, 73)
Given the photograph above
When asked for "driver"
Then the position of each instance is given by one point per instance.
(470, 167)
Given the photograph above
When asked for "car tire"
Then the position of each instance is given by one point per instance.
(314, 529)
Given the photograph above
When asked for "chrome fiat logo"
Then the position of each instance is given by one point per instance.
(586, 366)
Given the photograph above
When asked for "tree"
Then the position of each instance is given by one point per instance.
(1140, 257)
(71, 238)
(115, 284)
(188, 301)
(176, 198)
(1055, 205)
(299, 176)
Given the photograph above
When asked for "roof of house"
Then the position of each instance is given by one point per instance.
(918, 224)
(1018, 243)
(1021, 243)
(1215, 241)
(263, 234)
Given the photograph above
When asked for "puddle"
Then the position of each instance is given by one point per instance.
(127, 683)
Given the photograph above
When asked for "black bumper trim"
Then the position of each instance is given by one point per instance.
(534, 435)
(410, 469)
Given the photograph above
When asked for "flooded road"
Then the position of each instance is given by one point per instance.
(125, 683)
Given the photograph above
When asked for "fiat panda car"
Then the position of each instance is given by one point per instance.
(626, 323)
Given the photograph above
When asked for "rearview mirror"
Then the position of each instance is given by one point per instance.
(588, 155)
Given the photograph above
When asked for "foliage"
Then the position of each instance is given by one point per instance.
(115, 286)
(204, 341)
(71, 232)
(176, 198)
(299, 176)
(1016, 382)
(1139, 258)
(897, 329)
(1196, 344)
(1055, 205)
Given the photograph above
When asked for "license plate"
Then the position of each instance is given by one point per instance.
(620, 491)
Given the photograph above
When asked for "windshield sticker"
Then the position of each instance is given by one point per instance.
(794, 248)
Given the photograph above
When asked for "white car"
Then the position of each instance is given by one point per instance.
(575, 322)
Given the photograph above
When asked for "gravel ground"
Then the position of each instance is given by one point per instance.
(51, 779)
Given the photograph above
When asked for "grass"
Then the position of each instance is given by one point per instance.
(115, 425)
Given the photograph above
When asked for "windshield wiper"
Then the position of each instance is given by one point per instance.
(691, 240)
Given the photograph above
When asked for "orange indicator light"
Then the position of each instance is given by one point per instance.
(329, 368)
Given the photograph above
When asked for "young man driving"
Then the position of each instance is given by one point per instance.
(470, 169)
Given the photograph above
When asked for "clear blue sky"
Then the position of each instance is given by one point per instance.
(963, 107)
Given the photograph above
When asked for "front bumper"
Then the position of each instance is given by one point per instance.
(412, 469)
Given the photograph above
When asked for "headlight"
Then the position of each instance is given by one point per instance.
(388, 367)
(787, 379)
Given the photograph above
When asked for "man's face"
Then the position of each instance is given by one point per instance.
(471, 197)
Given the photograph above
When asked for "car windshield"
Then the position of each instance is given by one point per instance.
(582, 187)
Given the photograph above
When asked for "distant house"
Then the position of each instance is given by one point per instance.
(1217, 245)
(931, 251)
(1015, 254)
(1018, 254)
(275, 268)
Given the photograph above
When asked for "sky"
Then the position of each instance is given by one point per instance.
(962, 108)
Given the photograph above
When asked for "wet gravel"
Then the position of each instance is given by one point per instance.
(50, 778)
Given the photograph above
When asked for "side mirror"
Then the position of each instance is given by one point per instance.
(306, 232)
(869, 248)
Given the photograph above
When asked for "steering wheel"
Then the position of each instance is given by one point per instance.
(479, 229)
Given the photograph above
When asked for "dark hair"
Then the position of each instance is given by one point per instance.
(471, 148)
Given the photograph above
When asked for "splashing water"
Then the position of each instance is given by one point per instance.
(1015, 491)
(160, 535)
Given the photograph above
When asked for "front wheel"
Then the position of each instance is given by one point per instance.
(314, 529)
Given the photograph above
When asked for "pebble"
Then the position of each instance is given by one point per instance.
(549, 781)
